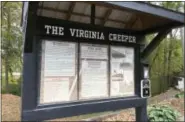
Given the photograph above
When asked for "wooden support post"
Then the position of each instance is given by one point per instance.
(71, 7)
(92, 14)
(154, 43)
(141, 111)
(29, 88)
(107, 14)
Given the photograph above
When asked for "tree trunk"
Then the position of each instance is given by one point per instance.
(6, 57)
(169, 59)
(183, 44)
(6, 75)
(164, 67)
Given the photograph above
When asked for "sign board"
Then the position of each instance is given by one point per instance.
(82, 68)
(75, 68)
(88, 34)
(70, 30)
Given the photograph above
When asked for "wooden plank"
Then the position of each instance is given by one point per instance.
(106, 16)
(93, 9)
(71, 8)
(79, 14)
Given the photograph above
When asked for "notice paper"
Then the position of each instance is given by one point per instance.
(58, 71)
(94, 77)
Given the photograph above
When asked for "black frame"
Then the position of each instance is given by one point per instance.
(34, 111)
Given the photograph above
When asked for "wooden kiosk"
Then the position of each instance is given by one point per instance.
(87, 57)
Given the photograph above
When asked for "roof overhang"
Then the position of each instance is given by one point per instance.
(137, 16)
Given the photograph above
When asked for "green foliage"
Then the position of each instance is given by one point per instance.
(11, 36)
(167, 59)
(176, 6)
(180, 95)
(12, 44)
(159, 62)
(162, 113)
(14, 87)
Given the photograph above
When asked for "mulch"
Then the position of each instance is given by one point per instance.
(11, 108)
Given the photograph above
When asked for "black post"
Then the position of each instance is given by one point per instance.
(141, 111)
(92, 14)
(29, 88)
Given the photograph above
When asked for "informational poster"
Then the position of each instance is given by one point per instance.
(94, 52)
(59, 59)
(56, 90)
(93, 72)
(122, 71)
(59, 76)
(58, 73)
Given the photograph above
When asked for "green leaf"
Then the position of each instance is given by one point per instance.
(161, 119)
(160, 113)
(170, 116)
(152, 119)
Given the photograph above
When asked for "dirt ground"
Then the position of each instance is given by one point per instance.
(11, 108)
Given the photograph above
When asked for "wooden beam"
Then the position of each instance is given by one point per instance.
(93, 9)
(71, 8)
(107, 14)
(79, 14)
(42, 5)
(154, 43)
(161, 27)
(28, 96)
(132, 21)
(57, 6)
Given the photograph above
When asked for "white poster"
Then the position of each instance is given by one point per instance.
(56, 91)
(94, 52)
(58, 75)
(122, 71)
(94, 77)
(59, 59)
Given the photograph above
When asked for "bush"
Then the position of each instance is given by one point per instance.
(3, 91)
(162, 113)
(14, 87)
(180, 95)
